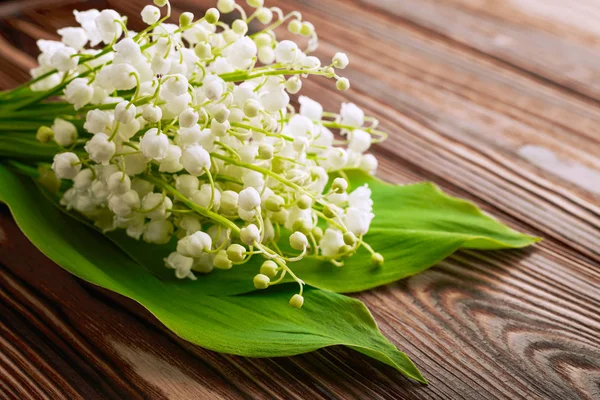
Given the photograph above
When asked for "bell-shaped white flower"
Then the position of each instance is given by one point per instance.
(107, 23)
(286, 52)
(150, 14)
(195, 160)
(176, 85)
(119, 183)
(181, 264)
(203, 196)
(79, 93)
(250, 234)
(124, 204)
(100, 148)
(63, 59)
(195, 244)
(340, 60)
(128, 50)
(97, 121)
(331, 243)
(310, 108)
(65, 133)
(298, 241)
(156, 206)
(360, 141)
(125, 112)
(352, 115)
(171, 162)
(249, 199)
(152, 113)
(368, 163)
(187, 184)
(73, 37)
(188, 118)
(154, 145)
(158, 232)
(66, 165)
(83, 180)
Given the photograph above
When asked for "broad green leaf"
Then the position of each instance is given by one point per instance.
(259, 324)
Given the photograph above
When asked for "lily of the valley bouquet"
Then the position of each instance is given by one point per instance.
(174, 166)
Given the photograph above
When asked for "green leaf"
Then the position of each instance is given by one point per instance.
(259, 324)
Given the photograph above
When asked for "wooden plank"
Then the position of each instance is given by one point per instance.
(515, 132)
(556, 41)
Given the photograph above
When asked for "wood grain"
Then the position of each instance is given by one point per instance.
(496, 102)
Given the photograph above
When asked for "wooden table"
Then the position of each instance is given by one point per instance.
(496, 101)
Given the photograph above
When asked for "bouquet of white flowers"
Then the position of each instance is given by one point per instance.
(184, 136)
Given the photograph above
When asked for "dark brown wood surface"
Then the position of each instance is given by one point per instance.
(496, 101)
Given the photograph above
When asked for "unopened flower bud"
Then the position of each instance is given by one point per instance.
(251, 108)
(297, 301)
(161, 3)
(226, 6)
(274, 203)
(293, 85)
(298, 241)
(240, 27)
(377, 260)
(317, 233)
(229, 201)
(263, 39)
(329, 212)
(340, 60)
(235, 252)
(295, 26)
(269, 268)
(342, 84)
(212, 16)
(250, 234)
(249, 199)
(304, 202)
(222, 261)
(255, 3)
(44, 134)
(339, 185)
(203, 50)
(350, 238)
(264, 15)
(261, 281)
(301, 225)
(185, 19)
(307, 29)
(265, 151)
(266, 55)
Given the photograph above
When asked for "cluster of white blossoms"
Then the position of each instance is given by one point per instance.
(185, 133)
